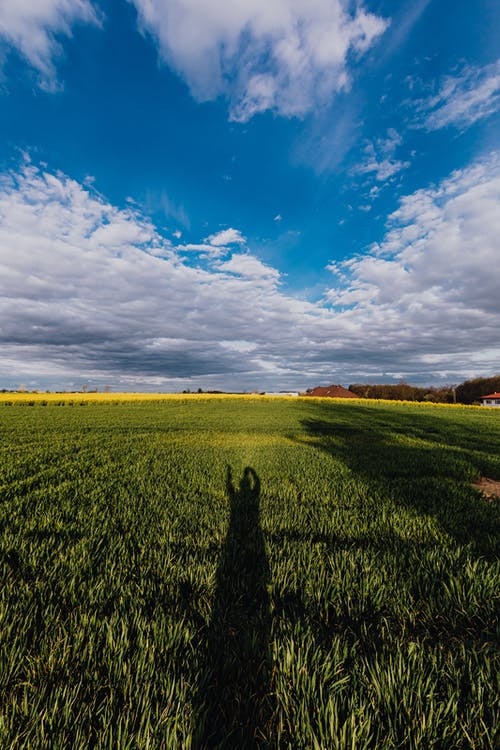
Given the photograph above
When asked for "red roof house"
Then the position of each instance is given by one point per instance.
(331, 391)
(492, 400)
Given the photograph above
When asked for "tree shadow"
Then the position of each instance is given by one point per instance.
(431, 474)
(233, 702)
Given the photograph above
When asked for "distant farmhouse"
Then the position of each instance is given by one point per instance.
(492, 400)
(331, 391)
(281, 393)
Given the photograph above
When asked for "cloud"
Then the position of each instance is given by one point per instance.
(216, 245)
(288, 56)
(379, 157)
(34, 28)
(462, 99)
(203, 248)
(249, 266)
(91, 292)
(226, 237)
(430, 289)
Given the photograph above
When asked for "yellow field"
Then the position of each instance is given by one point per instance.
(110, 397)
(130, 397)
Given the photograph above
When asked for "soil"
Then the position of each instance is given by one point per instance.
(489, 487)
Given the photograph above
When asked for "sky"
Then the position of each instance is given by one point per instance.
(247, 196)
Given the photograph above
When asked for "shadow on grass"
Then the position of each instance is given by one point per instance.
(233, 704)
(422, 462)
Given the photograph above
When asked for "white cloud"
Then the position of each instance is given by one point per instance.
(34, 27)
(288, 56)
(432, 284)
(92, 292)
(379, 157)
(203, 248)
(215, 245)
(384, 168)
(88, 290)
(226, 237)
(239, 346)
(248, 266)
(462, 99)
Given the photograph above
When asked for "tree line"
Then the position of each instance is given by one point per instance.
(468, 392)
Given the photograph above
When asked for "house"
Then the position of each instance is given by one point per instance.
(280, 393)
(492, 400)
(331, 391)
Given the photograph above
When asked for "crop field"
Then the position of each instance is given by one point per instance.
(247, 573)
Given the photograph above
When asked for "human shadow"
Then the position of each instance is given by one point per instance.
(233, 702)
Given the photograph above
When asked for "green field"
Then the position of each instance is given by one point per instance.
(248, 573)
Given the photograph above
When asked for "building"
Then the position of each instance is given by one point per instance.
(281, 393)
(492, 400)
(331, 391)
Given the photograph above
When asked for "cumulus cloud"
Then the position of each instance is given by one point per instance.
(202, 248)
(34, 28)
(90, 292)
(249, 266)
(462, 99)
(215, 245)
(226, 237)
(432, 285)
(287, 55)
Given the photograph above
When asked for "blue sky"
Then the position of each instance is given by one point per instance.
(254, 195)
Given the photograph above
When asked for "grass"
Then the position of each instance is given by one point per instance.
(232, 573)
